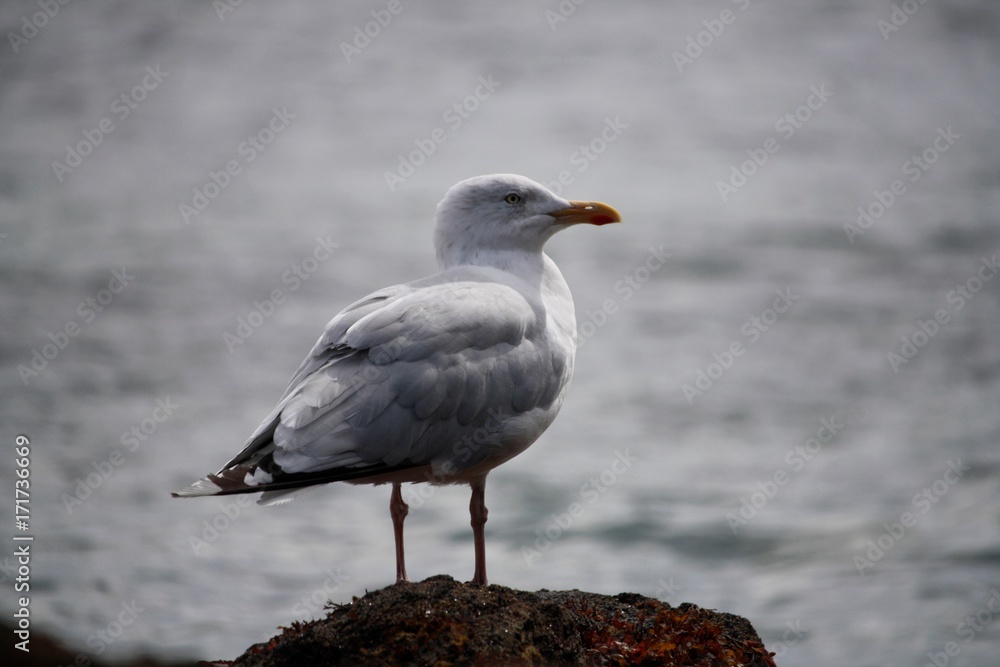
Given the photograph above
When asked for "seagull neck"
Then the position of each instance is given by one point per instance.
(528, 266)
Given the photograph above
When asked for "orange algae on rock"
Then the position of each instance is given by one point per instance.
(443, 622)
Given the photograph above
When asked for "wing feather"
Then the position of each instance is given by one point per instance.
(473, 394)
(401, 378)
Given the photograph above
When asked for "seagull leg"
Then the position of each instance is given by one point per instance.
(398, 510)
(478, 512)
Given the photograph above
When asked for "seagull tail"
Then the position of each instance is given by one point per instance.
(269, 498)
(207, 486)
(237, 479)
(203, 487)
(278, 487)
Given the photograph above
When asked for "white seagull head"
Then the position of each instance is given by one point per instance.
(484, 215)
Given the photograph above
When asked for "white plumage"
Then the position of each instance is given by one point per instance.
(438, 380)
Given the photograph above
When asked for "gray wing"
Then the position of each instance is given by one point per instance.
(404, 378)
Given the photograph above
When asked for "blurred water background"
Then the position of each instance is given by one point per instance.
(780, 492)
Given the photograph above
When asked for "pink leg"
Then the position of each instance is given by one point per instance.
(478, 512)
(398, 510)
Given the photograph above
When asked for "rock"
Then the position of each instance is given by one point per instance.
(443, 622)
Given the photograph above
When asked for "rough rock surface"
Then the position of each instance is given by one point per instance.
(443, 622)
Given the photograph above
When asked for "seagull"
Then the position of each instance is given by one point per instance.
(438, 380)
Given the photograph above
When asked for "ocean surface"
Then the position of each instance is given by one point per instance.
(786, 397)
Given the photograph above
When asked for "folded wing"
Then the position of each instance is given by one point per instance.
(402, 379)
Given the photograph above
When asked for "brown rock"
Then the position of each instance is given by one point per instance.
(443, 622)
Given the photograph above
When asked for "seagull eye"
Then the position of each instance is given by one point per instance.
(512, 198)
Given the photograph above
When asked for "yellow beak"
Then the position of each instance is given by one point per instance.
(590, 212)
